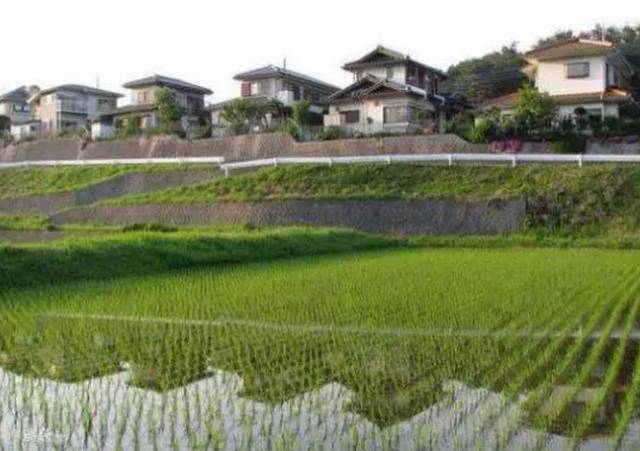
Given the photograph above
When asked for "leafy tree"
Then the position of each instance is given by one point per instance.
(243, 115)
(535, 112)
(489, 76)
(4, 123)
(300, 112)
(169, 112)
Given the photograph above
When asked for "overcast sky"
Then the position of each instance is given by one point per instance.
(49, 42)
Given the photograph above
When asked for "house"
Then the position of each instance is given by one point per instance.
(144, 107)
(272, 83)
(391, 92)
(14, 105)
(70, 107)
(575, 73)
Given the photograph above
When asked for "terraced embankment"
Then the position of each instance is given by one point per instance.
(125, 184)
(419, 217)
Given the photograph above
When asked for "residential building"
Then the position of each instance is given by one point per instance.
(272, 83)
(391, 92)
(575, 73)
(143, 105)
(14, 105)
(70, 107)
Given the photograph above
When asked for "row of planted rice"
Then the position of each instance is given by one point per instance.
(418, 349)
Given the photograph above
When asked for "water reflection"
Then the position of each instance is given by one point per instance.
(107, 413)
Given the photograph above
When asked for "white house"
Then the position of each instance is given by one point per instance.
(576, 73)
(391, 93)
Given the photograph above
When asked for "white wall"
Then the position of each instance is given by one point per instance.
(399, 73)
(552, 78)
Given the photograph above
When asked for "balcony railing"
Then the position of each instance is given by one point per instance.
(72, 106)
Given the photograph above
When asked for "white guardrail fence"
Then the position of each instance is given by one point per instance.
(442, 158)
(111, 162)
(439, 158)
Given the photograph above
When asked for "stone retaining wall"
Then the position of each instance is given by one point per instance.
(446, 217)
(249, 147)
(132, 183)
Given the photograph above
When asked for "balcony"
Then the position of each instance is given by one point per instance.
(72, 106)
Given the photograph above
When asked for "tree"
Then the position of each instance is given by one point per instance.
(535, 112)
(169, 112)
(244, 115)
(300, 112)
(491, 75)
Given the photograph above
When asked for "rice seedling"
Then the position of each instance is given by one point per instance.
(390, 349)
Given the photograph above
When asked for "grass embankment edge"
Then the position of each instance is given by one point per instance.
(142, 253)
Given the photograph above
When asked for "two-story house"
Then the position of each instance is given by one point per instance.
(15, 113)
(575, 73)
(70, 107)
(391, 92)
(273, 83)
(144, 106)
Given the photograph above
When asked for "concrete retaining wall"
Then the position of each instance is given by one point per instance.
(377, 216)
(247, 147)
(132, 183)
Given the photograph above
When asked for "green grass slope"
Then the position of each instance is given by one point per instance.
(390, 182)
(29, 181)
(559, 197)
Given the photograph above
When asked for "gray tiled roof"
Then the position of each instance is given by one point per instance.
(388, 56)
(161, 80)
(82, 89)
(17, 95)
(275, 71)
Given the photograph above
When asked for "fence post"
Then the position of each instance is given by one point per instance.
(514, 161)
(330, 162)
(580, 162)
(226, 171)
(388, 159)
(450, 159)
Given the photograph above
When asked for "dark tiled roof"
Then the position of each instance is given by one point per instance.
(367, 85)
(571, 48)
(81, 89)
(275, 71)
(161, 80)
(382, 56)
(17, 95)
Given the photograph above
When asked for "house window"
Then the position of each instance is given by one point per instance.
(390, 73)
(400, 115)
(352, 117)
(578, 70)
(594, 112)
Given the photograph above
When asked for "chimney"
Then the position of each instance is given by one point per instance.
(284, 63)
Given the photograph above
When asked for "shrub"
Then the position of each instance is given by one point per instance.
(331, 133)
(484, 131)
(570, 143)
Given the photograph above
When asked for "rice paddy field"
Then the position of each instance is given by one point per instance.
(403, 348)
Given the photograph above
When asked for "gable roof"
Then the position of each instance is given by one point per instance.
(161, 80)
(20, 94)
(272, 71)
(368, 85)
(571, 48)
(383, 56)
(79, 88)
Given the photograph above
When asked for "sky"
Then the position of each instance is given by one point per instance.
(207, 42)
